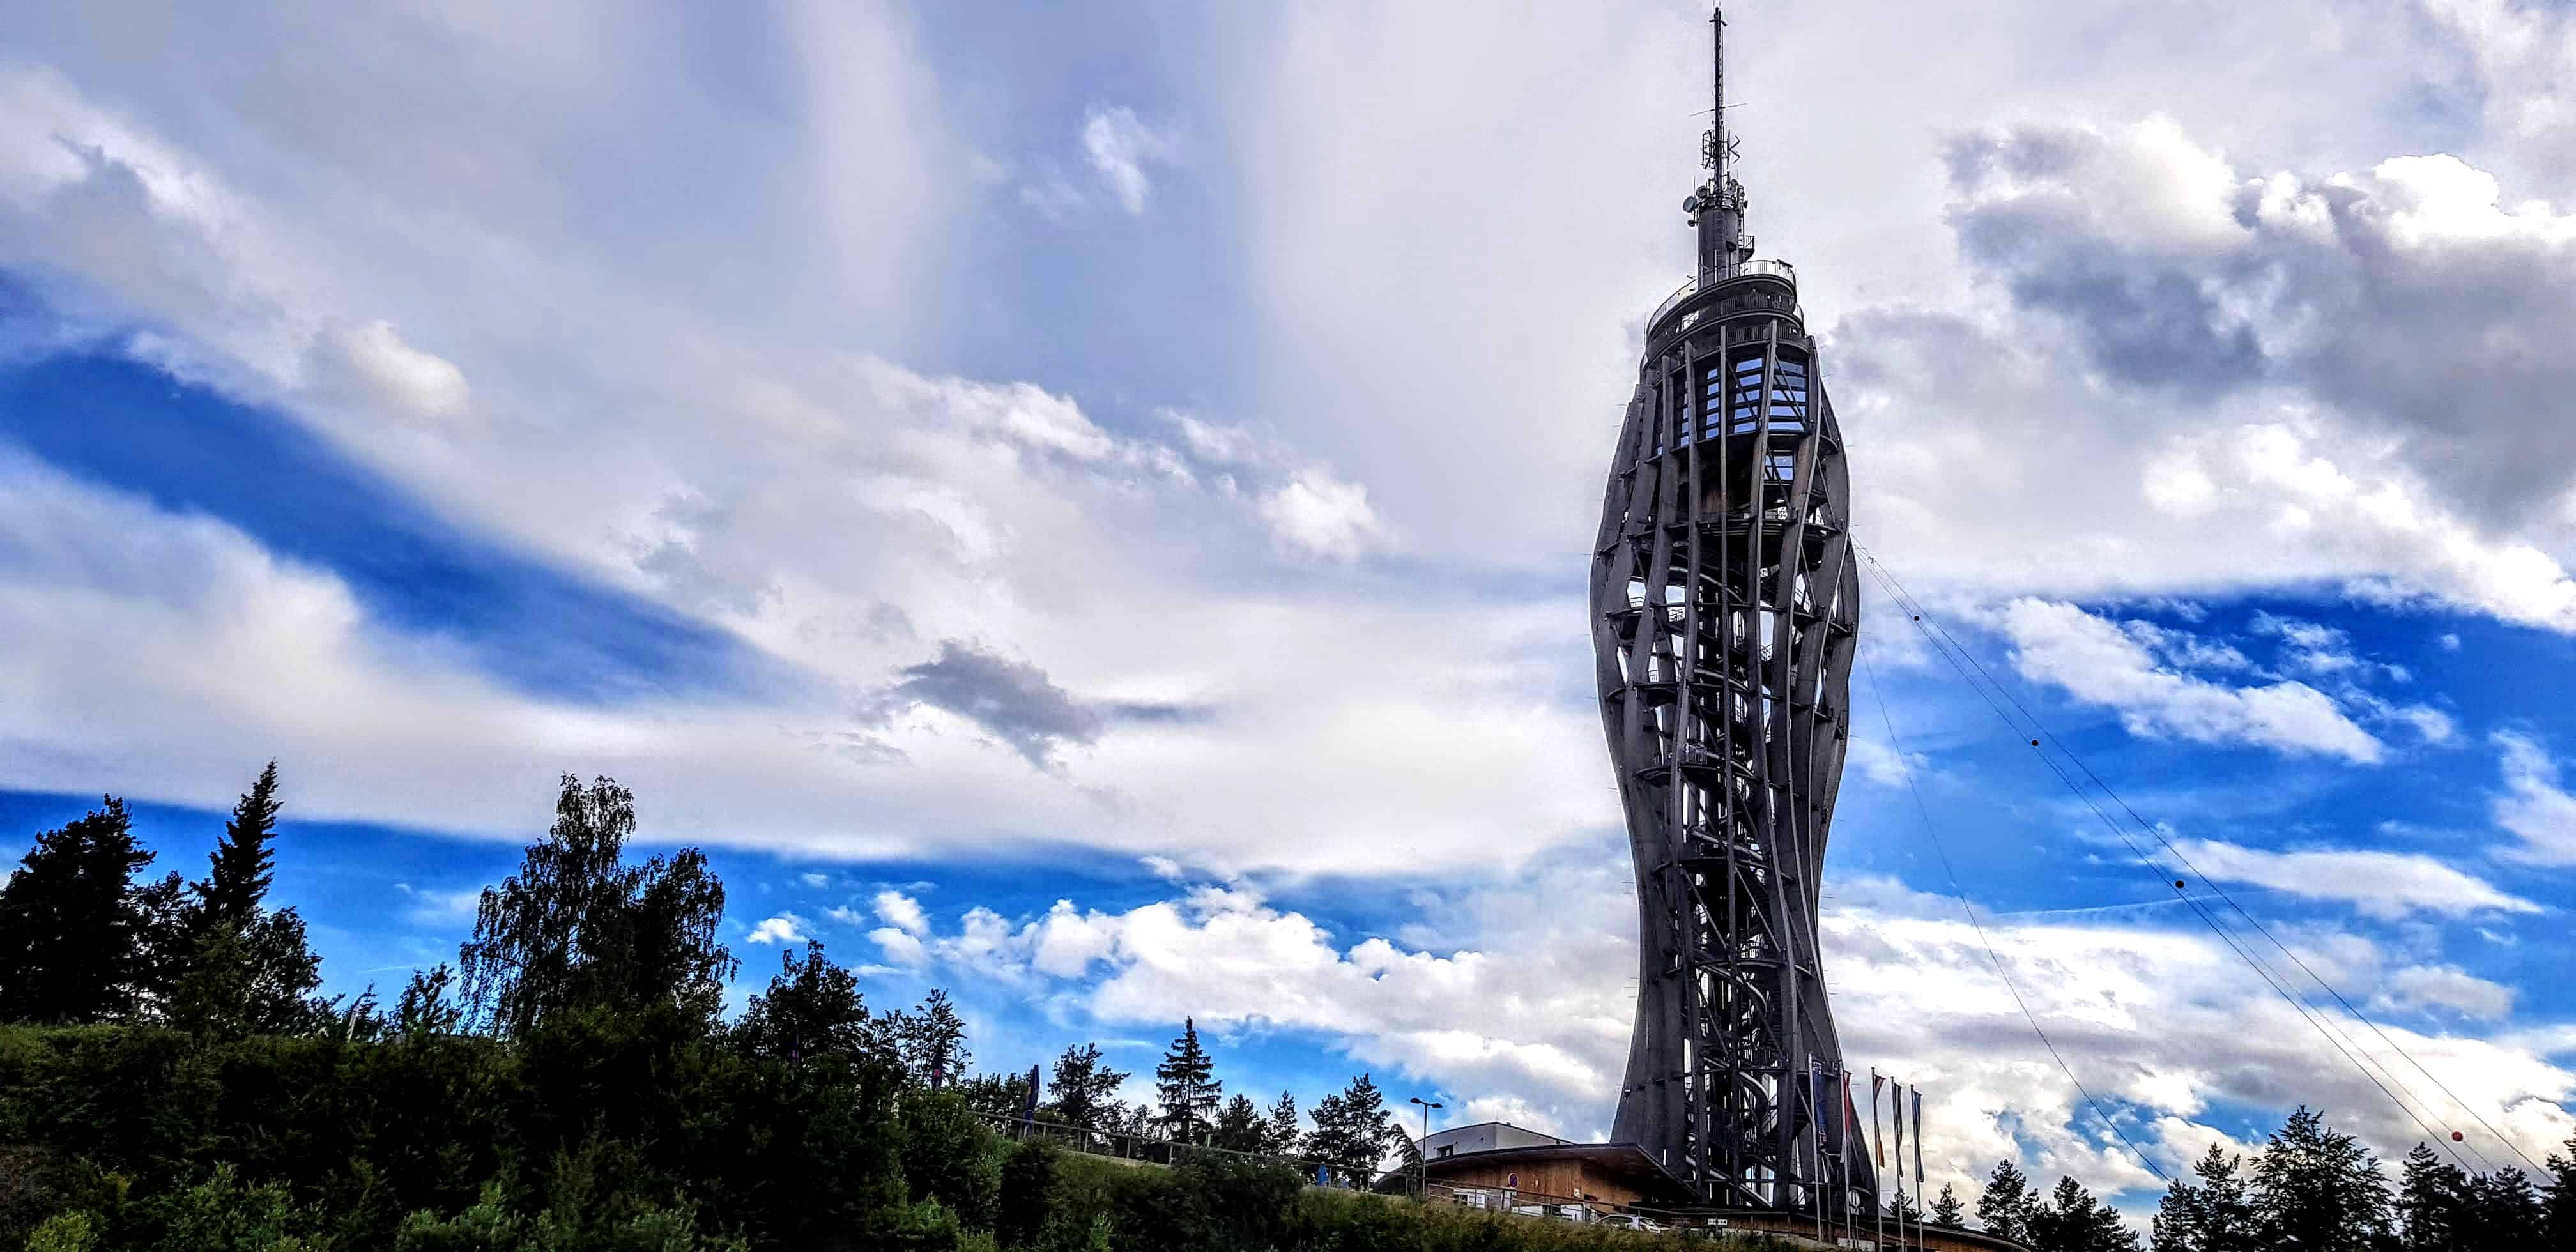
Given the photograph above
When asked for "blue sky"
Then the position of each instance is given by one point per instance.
(1090, 510)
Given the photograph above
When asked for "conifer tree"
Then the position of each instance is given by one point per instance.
(1186, 1087)
(243, 864)
(1086, 1091)
(2317, 1190)
(1946, 1208)
(1240, 1126)
(2003, 1208)
(76, 932)
(2430, 1196)
(2558, 1198)
(1282, 1135)
(1353, 1130)
(2504, 1211)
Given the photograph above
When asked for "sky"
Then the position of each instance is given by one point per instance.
(1090, 510)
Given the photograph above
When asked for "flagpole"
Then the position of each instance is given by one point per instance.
(1918, 1156)
(1842, 1148)
(1816, 1136)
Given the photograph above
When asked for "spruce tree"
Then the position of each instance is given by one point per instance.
(1240, 1127)
(2003, 1208)
(76, 932)
(1946, 1208)
(2558, 1198)
(2504, 1211)
(1353, 1130)
(2317, 1190)
(1186, 1087)
(2227, 1220)
(1282, 1135)
(1086, 1091)
(243, 864)
(2431, 1194)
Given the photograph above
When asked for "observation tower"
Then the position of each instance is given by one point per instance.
(1725, 607)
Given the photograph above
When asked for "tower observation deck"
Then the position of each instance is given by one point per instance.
(1725, 609)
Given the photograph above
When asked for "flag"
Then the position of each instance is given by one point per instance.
(1918, 1135)
(1878, 1137)
(1029, 1102)
(1899, 1110)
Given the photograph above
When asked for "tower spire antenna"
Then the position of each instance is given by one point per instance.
(1717, 208)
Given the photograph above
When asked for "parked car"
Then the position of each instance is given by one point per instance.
(1632, 1221)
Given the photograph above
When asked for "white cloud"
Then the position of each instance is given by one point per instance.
(2385, 885)
(2450, 987)
(781, 928)
(2099, 663)
(433, 907)
(1120, 146)
(901, 912)
(2534, 808)
(370, 363)
(1319, 515)
(818, 881)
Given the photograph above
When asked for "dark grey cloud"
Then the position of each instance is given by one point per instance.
(1014, 701)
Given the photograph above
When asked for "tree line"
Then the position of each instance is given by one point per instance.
(2311, 1188)
(172, 1078)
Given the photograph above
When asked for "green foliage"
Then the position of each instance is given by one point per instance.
(2003, 1208)
(2071, 1220)
(1186, 1087)
(1947, 1209)
(1027, 1199)
(576, 927)
(812, 1008)
(949, 1156)
(65, 1232)
(76, 933)
(1353, 1130)
(2318, 1190)
(221, 1214)
(930, 1042)
(1084, 1091)
(2213, 1215)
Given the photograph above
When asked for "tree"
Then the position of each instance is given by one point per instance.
(2559, 1197)
(1240, 1127)
(242, 864)
(1281, 1135)
(2431, 1194)
(2317, 1190)
(2003, 1208)
(233, 967)
(2213, 1216)
(812, 1008)
(1085, 1090)
(576, 926)
(930, 1042)
(2073, 1221)
(76, 934)
(424, 1009)
(2504, 1211)
(1186, 1087)
(1353, 1130)
(1946, 1208)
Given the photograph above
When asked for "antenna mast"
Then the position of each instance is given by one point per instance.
(1717, 209)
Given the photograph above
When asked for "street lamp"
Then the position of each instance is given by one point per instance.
(1422, 1152)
